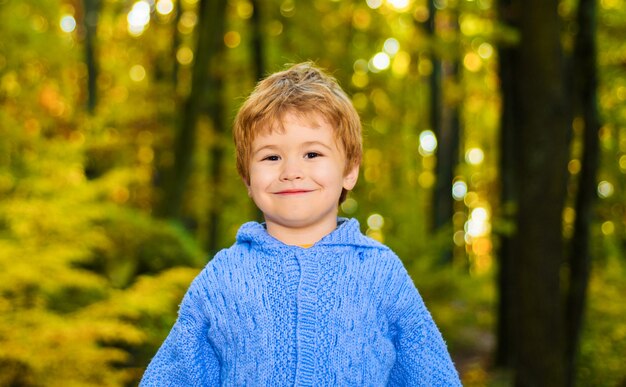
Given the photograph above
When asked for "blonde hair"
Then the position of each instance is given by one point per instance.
(303, 89)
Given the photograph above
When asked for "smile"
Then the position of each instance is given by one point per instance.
(289, 192)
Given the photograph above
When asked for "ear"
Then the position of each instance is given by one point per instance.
(350, 178)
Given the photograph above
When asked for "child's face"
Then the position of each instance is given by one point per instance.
(296, 178)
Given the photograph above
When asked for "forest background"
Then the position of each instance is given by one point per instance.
(495, 155)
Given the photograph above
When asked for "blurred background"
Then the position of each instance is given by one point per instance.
(494, 165)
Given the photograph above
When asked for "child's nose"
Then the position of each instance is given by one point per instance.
(291, 171)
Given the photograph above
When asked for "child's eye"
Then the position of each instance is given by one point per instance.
(312, 155)
(271, 158)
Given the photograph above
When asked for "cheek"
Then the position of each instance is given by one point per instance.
(260, 177)
(330, 177)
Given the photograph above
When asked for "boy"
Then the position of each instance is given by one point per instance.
(303, 299)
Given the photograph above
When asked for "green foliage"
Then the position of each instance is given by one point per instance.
(73, 309)
(136, 244)
(74, 306)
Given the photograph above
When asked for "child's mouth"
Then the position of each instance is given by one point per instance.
(292, 192)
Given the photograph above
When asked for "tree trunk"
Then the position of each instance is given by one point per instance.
(215, 107)
(176, 43)
(258, 46)
(444, 122)
(447, 157)
(435, 104)
(216, 111)
(585, 81)
(542, 123)
(91, 9)
(258, 55)
(208, 36)
(508, 192)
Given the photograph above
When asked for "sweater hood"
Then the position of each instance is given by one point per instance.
(347, 233)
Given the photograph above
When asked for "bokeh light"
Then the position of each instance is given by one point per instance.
(164, 7)
(605, 189)
(138, 18)
(478, 224)
(137, 73)
(374, 4)
(375, 221)
(391, 46)
(232, 39)
(485, 50)
(472, 62)
(360, 80)
(288, 8)
(68, 23)
(184, 55)
(349, 206)
(459, 238)
(428, 143)
(459, 190)
(187, 22)
(608, 228)
(244, 9)
(379, 62)
(399, 5)
(574, 166)
(475, 156)
(470, 199)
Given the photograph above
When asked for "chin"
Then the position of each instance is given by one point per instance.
(294, 222)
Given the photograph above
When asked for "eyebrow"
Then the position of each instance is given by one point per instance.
(312, 143)
(264, 147)
(305, 144)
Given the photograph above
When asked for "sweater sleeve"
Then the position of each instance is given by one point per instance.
(186, 357)
(422, 358)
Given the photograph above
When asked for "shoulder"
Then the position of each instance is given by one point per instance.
(249, 248)
(380, 253)
(216, 279)
(375, 261)
(227, 260)
(250, 240)
(348, 237)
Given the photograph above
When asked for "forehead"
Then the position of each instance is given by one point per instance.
(305, 121)
(310, 119)
(297, 128)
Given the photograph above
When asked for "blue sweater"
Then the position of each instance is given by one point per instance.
(343, 312)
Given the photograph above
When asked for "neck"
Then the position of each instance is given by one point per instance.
(298, 236)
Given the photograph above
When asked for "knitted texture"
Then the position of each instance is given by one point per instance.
(342, 312)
